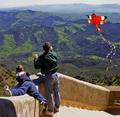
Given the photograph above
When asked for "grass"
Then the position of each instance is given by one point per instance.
(25, 47)
(96, 58)
(71, 29)
(69, 69)
(59, 23)
(8, 46)
(63, 37)
(117, 44)
(80, 26)
(6, 78)
(23, 15)
(93, 38)
(38, 35)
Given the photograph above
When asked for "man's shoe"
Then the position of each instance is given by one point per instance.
(50, 114)
(56, 110)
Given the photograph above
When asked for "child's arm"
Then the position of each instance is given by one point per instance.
(28, 75)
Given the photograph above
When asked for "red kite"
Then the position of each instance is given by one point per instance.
(96, 21)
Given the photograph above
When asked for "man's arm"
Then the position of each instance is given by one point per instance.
(38, 62)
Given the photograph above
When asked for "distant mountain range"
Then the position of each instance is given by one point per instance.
(25, 31)
(71, 8)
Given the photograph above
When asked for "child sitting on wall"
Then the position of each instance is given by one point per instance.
(25, 85)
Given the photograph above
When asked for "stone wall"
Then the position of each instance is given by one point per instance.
(74, 93)
(19, 106)
(82, 94)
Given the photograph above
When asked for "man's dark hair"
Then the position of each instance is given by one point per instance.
(47, 46)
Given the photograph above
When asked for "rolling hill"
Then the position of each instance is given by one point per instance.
(25, 31)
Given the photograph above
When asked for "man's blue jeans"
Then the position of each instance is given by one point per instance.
(51, 84)
(52, 91)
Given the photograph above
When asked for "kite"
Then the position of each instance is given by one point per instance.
(95, 20)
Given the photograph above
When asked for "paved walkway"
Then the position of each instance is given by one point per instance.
(75, 112)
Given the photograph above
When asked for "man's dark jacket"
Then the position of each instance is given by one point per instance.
(47, 62)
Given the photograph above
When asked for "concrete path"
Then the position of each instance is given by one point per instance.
(75, 112)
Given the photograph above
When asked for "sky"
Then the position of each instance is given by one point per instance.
(16, 3)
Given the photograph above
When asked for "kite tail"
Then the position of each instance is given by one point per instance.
(112, 53)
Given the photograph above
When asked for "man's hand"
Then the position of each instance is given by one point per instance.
(35, 56)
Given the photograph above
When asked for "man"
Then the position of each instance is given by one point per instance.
(47, 62)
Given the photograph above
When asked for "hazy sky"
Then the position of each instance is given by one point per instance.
(13, 3)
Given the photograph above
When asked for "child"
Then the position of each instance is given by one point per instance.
(25, 85)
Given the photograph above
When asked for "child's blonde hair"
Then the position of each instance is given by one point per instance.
(19, 68)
